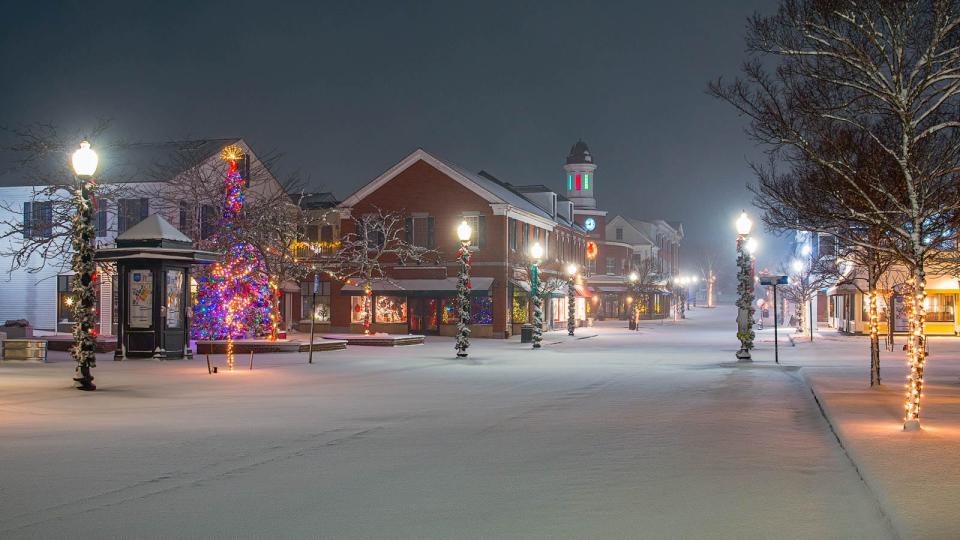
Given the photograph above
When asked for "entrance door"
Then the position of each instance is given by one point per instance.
(288, 320)
(423, 315)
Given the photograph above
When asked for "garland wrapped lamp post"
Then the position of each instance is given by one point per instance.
(84, 268)
(464, 232)
(571, 299)
(745, 307)
(635, 308)
(536, 253)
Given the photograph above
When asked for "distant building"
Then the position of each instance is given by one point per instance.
(621, 244)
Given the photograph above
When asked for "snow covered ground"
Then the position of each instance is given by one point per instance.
(649, 434)
(915, 475)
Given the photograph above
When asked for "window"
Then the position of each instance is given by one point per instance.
(611, 266)
(569, 182)
(174, 291)
(186, 218)
(208, 221)
(619, 233)
(65, 299)
(100, 221)
(479, 226)
(326, 233)
(940, 308)
(322, 312)
(586, 181)
(357, 310)
(519, 306)
(130, 212)
(38, 219)
(481, 310)
(524, 236)
(390, 309)
(512, 232)
(419, 231)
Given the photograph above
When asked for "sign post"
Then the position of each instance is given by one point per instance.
(313, 314)
(774, 281)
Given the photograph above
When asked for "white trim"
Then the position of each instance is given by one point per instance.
(530, 218)
(587, 211)
(418, 155)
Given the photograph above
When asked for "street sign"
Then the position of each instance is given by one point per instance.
(773, 280)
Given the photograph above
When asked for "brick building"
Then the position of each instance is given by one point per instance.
(434, 196)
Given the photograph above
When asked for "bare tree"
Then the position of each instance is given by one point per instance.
(378, 242)
(888, 73)
(805, 279)
(277, 228)
(38, 232)
(708, 271)
(646, 284)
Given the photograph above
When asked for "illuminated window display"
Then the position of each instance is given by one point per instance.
(519, 308)
(390, 309)
(481, 310)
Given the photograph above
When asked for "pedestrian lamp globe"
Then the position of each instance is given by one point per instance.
(571, 270)
(85, 160)
(464, 231)
(751, 245)
(536, 251)
(634, 277)
(694, 279)
(797, 266)
(744, 224)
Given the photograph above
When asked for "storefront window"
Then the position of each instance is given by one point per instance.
(356, 309)
(322, 312)
(940, 308)
(481, 310)
(390, 309)
(519, 309)
(448, 311)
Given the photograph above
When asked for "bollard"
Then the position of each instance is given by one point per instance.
(209, 370)
(251, 360)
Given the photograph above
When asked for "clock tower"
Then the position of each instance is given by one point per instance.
(580, 180)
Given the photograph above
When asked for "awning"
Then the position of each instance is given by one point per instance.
(583, 291)
(480, 286)
(556, 288)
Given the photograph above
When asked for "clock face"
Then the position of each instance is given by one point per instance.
(589, 224)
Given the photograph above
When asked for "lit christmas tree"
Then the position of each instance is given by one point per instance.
(234, 298)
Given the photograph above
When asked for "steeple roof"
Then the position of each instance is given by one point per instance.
(579, 153)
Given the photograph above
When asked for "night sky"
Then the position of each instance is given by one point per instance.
(346, 89)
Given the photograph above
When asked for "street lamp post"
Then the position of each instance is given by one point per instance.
(85, 270)
(635, 291)
(571, 299)
(536, 253)
(464, 232)
(744, 289)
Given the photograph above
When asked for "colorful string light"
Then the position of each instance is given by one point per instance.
(235, 296)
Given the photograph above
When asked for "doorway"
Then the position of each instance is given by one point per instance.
(424, 315)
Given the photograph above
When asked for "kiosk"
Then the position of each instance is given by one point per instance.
(153, 263)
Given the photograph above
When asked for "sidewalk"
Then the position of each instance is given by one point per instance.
(914, 475)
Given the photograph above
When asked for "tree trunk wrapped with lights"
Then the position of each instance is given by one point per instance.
(744, 300)
(537, 306)
(463, 301)
(914, 295)
(84, 285)
(571, 308)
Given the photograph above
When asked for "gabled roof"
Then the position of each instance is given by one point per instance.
(483, 184)
(153, 227)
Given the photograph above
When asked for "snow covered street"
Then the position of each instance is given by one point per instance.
(649, 434)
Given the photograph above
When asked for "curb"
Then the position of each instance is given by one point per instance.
(893, 524)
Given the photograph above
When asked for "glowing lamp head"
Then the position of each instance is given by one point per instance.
(797, 265)
(751, 245)
(464, 231)
(85, 160)
(634, 277)
(694, 279)
(571, 269)
(744, 224)
(806, 250)
(536, 251)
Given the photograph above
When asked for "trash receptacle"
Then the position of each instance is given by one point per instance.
(526, 333)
